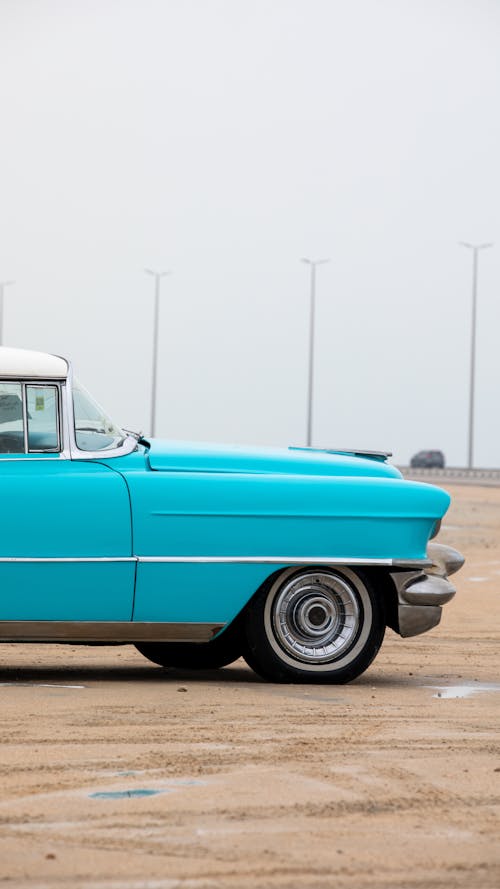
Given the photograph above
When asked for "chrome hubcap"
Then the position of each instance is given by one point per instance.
(316, 617)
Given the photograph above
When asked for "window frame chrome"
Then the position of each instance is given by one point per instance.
(42, 385)
(58, 452)
(127, 447)
(25, 416)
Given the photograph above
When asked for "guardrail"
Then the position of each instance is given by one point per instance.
(457, 474)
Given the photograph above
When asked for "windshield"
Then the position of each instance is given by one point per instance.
(94, 431)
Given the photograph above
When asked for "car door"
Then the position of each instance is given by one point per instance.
(65, 525)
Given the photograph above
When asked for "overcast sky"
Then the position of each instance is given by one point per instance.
(224, 140)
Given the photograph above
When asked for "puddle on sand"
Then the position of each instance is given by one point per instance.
(141, 792)
(461, 691)
(126, 794)
(477, 579)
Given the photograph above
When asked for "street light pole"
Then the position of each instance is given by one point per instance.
(312, 263)
(157, 278)
(472, 385)
(3, 285)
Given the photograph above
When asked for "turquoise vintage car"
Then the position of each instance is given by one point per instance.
(296, 559)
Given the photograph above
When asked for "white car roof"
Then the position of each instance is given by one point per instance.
(19, 363)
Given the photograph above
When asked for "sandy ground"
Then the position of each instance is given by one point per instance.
(392, 781)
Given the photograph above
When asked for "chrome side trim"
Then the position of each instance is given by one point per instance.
(265, 560)
(105, 631)
(57, 559)
(412, 563)
(52, 455)
(232, 560)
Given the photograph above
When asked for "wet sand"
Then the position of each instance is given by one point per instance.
(116, 774)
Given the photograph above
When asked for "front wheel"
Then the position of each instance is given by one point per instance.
(314, 625)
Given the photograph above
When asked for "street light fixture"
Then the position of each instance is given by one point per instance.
(157, 278)
(3, 285)
(312, 263)
(475, 252)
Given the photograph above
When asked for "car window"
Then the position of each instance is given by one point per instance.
(94, 430)
(38, 407)
(11, 419)
(43, 432)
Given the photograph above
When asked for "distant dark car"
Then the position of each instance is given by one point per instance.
(428, 459)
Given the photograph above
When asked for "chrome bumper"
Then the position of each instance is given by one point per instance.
(422, 594)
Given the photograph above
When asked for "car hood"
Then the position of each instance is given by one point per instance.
(179, 456)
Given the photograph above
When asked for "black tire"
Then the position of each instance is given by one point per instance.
(321, 625)
(220, 652)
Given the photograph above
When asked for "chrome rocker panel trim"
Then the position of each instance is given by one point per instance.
(105, 631)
